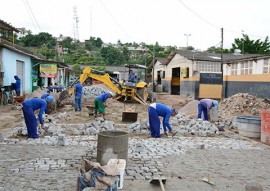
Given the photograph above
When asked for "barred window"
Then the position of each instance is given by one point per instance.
(208, 66)
(234, 69)
(246, 68)
(266, 66)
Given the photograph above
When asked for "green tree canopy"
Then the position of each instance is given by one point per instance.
(76, 70)
(93, 43)
(248, 46)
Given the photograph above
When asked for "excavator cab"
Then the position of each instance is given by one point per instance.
(135, 89)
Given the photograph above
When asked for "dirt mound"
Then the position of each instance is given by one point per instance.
(191, 108)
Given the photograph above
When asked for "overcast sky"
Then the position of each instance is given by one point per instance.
(149, 21)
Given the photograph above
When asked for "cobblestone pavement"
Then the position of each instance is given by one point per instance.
(43, 164)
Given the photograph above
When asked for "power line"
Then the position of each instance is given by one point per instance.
(33, 15)
(115, 20)
(228, 30)
(198, 15)
(28, 12)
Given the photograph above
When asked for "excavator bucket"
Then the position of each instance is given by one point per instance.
(129, 114)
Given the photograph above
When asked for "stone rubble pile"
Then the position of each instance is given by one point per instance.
(55, 129)
(93, 91)
(184, 125)
(243, 104)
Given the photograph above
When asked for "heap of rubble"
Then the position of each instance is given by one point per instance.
(184, 125)
(243, 104)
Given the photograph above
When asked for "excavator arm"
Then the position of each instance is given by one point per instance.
(105, 78)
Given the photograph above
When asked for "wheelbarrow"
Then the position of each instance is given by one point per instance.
(18, 99)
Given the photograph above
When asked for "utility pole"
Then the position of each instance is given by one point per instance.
(187, 35)
(221, 64)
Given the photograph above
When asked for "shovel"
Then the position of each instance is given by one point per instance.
(160, 181)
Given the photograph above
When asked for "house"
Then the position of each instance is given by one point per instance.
(16, 60)
(198, 74)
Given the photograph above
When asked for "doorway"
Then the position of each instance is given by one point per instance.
(20, 74)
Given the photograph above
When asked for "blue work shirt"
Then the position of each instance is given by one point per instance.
(132, 77)
(17, 83)
(207, 103)
(78, 89)
(165, 112)
(35, 104)
(103, 97)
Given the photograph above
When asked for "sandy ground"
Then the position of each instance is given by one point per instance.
(230, 169)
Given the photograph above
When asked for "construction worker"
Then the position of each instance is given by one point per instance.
(78, 96)
(132, 76)
(205, 106)
(154, 111)
(100, 103)
(17, 85)
(44, 96)
(29, 107)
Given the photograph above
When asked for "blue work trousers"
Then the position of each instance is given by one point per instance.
(78, 102)
(154, 122)
(202, 109)
(30, 121)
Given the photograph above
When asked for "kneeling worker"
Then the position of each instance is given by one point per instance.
(29, 107)
(154, 111)
(100, 103)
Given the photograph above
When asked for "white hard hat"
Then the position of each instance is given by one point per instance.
(111, 93)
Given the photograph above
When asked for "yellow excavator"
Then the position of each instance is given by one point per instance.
(125, 90)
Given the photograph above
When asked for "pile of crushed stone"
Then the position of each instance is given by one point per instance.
(243, 104)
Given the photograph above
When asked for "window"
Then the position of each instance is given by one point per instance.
(266, 66)
(234, 69)
(246, 68)
(163, 75)
(208, 66)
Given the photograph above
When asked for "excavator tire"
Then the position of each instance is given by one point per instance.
(143, 93)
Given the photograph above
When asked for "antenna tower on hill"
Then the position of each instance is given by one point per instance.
(75, 25)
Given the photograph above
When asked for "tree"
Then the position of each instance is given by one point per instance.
(93, 43)
(76, 70)
(39, 40)
(248, 46)
(214, 49)
(115, 56)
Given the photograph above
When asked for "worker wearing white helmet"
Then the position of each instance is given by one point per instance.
(100, 103)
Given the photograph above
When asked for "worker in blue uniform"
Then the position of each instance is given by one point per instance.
(100, 103)
(154, 111)
(29, 107)
(17, 85)
(78, 88)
